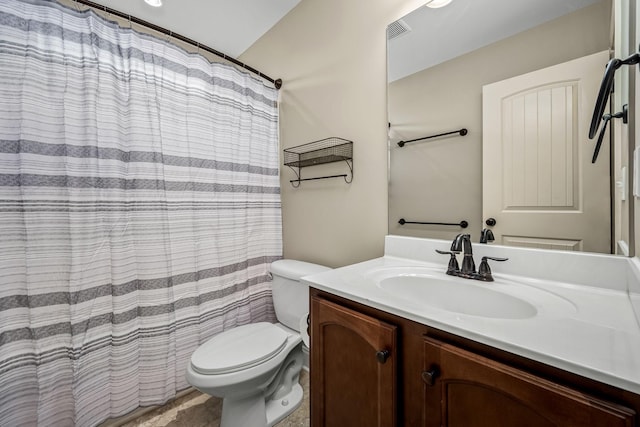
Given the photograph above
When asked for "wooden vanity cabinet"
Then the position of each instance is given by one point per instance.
(354, 367)
(433, 378)
(464, 389)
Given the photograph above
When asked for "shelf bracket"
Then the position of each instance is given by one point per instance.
(348, 178)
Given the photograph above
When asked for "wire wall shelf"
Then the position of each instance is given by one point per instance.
(328, 150)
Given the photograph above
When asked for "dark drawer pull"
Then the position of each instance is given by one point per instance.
(383, 355)
(429, 377)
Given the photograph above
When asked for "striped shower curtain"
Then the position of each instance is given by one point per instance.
(139, 212)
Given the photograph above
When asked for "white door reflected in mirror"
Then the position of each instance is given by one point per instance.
(538, 180)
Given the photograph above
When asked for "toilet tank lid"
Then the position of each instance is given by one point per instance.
(293, 269)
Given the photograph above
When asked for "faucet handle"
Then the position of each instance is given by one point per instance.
(484, 271)
(494, 258)
(452, 268)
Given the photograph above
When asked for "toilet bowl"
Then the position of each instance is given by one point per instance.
(255, 368)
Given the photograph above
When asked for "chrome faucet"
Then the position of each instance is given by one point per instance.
(462, 244)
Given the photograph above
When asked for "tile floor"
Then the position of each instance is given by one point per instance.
(200, 410)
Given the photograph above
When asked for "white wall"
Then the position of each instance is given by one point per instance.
(331, 55)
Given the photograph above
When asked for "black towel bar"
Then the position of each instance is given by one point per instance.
(461, 224)
(462, 132)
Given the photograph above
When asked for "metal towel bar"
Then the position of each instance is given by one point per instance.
(462, 132)
(461, 224)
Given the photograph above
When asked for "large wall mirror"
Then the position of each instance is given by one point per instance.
(489, 109)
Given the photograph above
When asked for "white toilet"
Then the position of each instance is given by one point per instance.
(255, 367)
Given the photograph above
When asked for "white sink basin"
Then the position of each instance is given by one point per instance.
(501, 299)
(462, 297)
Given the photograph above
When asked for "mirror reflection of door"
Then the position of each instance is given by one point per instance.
(538, 180)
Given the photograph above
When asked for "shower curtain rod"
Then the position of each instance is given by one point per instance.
(277, 82)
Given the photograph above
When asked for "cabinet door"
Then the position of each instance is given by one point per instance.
(353, 368)
(463, 389)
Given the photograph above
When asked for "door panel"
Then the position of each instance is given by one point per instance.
(539, 150)
(550, 244)
(538, 180)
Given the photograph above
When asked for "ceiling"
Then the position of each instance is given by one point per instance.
(229, 26)
(438, 35)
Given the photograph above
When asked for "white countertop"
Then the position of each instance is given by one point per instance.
(588, 326)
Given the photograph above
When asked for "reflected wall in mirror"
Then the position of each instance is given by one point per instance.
(441, 61)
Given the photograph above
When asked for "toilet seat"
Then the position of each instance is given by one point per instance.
(239, 348)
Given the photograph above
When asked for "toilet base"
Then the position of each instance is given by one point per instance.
(256, 412)
(278, 409)
(282, 397)
(249, 411)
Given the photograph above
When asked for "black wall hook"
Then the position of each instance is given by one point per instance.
(605, 89)
(624, 115)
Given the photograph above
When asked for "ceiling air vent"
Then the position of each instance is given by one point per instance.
(396, 29)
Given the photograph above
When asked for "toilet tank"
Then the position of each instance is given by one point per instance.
(290, 296)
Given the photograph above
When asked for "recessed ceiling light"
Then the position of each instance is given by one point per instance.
(436, 3)
(154, 3)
